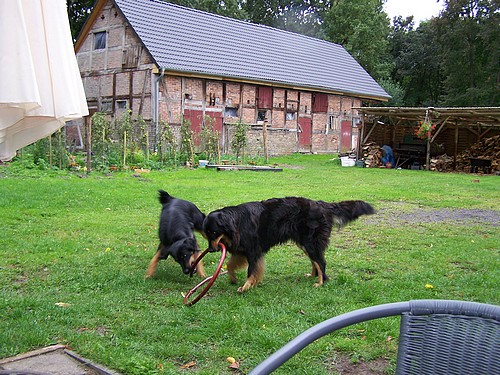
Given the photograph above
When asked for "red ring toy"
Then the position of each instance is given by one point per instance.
(210, 280)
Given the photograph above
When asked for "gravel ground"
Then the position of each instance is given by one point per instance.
(403, 214)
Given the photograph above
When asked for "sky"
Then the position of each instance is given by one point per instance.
(420, 9)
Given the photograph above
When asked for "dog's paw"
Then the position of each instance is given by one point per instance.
(317, 285)
(240, 290)
(244, 288)
(250, 283)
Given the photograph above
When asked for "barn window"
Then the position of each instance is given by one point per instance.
(121, 104)
(100, 40)
(231, 112)
(130, 58)
(106, 106)
(334, 123)
(355, 122)
(261, 116)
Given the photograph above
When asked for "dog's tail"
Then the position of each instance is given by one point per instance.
(347, 211)
(164, 197)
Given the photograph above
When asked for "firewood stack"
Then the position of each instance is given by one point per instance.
(372, 155)
(488, 148)
(442, 163)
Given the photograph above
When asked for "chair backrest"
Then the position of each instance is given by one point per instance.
(436, 337)
(449, 337)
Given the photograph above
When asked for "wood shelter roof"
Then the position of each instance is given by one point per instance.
(461, 116)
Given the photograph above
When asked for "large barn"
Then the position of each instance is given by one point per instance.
(167, 63)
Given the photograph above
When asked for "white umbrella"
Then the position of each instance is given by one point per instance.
(40, 84)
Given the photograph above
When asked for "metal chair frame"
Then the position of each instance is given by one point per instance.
(436, 337)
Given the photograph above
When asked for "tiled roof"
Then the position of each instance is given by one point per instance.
(192, 41)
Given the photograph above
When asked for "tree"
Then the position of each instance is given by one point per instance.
(469, 36)
(300, 16)
(362, 27)
(228, 8)
(78, 12)
(417, 66)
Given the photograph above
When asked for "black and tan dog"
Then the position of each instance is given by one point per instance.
(250, 229)
(179, 220)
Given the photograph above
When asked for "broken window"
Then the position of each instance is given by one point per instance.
(121, 104)
(355, 122)
(100, 40)
(131, 55)
(106, 106)
(290, 116)
(231, 112)
(334, 123)
(261, 116)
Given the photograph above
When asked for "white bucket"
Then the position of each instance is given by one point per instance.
(347, 161)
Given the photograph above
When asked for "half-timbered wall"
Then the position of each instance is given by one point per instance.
(123, 76)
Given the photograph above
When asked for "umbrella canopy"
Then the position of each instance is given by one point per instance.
(40, 84)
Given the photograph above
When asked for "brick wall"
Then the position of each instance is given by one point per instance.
(279, 98)
(279, 141)
(233, 94)
(249, 95)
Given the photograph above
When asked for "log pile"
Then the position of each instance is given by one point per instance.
(441, 163)
(371, 154)
(488, 148)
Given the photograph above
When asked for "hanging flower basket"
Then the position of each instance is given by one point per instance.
(425, 129)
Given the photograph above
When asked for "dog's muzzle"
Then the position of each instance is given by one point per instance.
(190, 269)
(214, 245)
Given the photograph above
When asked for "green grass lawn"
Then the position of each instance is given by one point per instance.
(86, 242)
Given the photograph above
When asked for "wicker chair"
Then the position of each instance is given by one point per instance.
(436, 337)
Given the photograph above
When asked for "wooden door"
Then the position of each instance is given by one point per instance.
(196, 119)
(346, 137)
(305, 131)
(217, 120)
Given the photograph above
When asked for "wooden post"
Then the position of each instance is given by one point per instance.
(124, 148)
(361, 132)
(191, 149)
(50, 150)
(428, 155)
(88, 131)
(60, 149)
(455, 151)
(147, 143)
(264, 140)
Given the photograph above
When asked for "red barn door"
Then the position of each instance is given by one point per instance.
(346, 139)
(196, 119)
(305, 131)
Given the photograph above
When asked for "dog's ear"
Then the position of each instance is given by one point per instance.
(185, 245)
(229, 226)
(163, 251)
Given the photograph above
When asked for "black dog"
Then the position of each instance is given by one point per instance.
(250, 229)
(178, 221)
